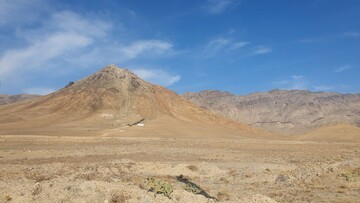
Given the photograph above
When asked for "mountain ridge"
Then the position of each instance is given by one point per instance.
(282, 111)
(9, 99)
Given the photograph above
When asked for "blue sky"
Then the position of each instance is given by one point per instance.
(241, 46)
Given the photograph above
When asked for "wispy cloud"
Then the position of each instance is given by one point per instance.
(214, 46)
(75, 39)
(295, 82)
(220, 6)
(39, 90)
(138, 47)
(157, 76)
(352, 34)
(70, 34)
(24, 10)
(261, 50)
(300, 82)
(342, 68)
(220, 45)
(238, 45)
(119, 53)
(323, 88)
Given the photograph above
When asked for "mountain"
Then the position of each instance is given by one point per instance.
(9, 99)
(107, 101)
(284, 111)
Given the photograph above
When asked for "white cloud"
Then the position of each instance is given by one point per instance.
(69, 21)
(261, 50)
(118, 53)
(342, 68)
(157, 76)
(71, 33)
(39, 90)
(34, 56)
(220, 6)
(54, 43)
(139, 47)
(24, 10)
(72, 38)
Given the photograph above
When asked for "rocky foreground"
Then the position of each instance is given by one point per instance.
(133, 169)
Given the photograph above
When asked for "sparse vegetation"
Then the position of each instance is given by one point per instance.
(352, 175)
(223, 195)
(118, 197)
(160, 187)
(224, 180)
(192, 188)
(192, 168)
(7, 198)
(233, 173)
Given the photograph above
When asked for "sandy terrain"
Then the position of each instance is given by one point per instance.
(117, 168)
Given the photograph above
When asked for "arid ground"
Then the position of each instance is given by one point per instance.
(117, 168)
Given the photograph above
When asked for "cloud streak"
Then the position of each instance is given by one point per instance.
(296, 82)
(352, 34)
(138, 47)
(220, 45)
(259, 50)
(220, 6)
(157, 76)
(342, 68)
(39, 90)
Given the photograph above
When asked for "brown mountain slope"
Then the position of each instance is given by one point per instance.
(333, 133)
(9, 99)
(107, 101)
(284, 111)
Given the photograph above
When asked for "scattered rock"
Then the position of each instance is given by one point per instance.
(37, 189)
(281, 179)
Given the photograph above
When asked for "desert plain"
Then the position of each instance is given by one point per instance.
(76, 145)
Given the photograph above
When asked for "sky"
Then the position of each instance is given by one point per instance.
(240, 46)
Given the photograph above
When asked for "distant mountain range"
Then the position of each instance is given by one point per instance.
(283, 111)
(8, 99)
(113, 90)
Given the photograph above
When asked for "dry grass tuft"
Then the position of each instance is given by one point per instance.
(7, 198)
(193, 168)
(223, 195)
(119, 197)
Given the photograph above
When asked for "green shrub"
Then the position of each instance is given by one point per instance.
(160, 187)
